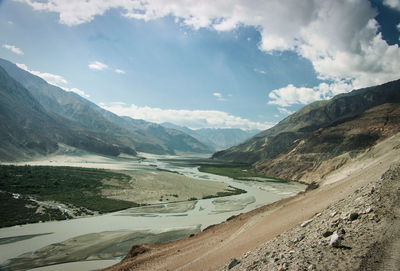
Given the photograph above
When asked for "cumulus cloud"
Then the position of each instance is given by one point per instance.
(395, 4)
(119, 71)
(53, 79)
(285, 111)
(13, 49)
(290, 94)
(340, 38)
(77, 91)
(48, 77)
(97, 65)
(191, 118)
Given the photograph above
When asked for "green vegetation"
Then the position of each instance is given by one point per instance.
(80, 187)
(22, 210)
(241, 172)
(232, 191)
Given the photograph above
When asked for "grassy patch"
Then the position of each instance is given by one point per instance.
(80, 187)
(232, 191)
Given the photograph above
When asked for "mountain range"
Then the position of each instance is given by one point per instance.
(36, 116)
(333, 131)
(216, 138)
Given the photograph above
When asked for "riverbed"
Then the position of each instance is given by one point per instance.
(99, 241)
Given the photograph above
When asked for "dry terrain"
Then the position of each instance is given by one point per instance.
(247, 235)
(147, 184)
(150, 187)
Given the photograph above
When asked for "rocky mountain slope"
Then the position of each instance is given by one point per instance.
(131, 135)
(217, 139)
(336, 131)
(326, 149)
(359, 232)
(27, 129)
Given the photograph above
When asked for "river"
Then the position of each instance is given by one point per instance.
(99, 241)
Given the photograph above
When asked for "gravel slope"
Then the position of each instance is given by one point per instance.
(367, 224)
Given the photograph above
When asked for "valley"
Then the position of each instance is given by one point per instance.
(101, 238)
(199, 135)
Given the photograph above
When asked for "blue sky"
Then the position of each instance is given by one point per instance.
(220, 63)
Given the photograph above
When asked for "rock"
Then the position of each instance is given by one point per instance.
(333, 214)
(305, 223)
(327, 233)
(372, 190)
(283, 267)
(335, 240)
(311, 267)
(353, 216)
(233, 263)
(318, 215)
(368, 210)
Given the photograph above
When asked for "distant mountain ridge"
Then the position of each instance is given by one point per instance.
(125, 134)
(216, 138)
(27, 129)
(310, 118)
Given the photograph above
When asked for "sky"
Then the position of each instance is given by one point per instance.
(215, 64)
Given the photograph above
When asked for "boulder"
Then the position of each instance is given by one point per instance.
(335, 240)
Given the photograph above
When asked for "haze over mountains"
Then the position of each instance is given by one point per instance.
(36, 116)
(218, 139)
(323, 135)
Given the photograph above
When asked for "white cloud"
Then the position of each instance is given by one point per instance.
(260, 71)
(53, 79)
(290, 94)
(77, 91)
(191, 118)
(340, 38)
(13, 49)
(97, 65)
(219, 96)
(48, 77)
(10, 22)
(119, 71)
(285, 111)
(395, 4)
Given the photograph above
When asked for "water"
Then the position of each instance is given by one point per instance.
(183, 218)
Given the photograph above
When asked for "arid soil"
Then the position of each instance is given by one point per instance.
(265, 238)
(153, 186)
(359, 232)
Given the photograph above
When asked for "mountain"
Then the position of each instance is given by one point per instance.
(130, 135)
(27, 129)
(217, 139)
(344, 126)
(329, 148)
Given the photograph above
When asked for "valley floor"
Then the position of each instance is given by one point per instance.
(362, 208)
